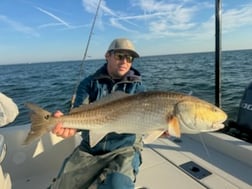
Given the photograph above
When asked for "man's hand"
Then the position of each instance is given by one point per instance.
(60, 131)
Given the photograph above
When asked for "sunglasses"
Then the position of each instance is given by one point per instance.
(122, 56)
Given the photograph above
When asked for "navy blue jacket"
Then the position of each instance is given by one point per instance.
(98, 85)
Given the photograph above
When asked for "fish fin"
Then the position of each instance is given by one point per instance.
(153, 135)
(106, 99)
(173, 126)
(40, 122)
(39, 149)
(95, 137)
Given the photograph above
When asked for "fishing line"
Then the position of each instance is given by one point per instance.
(200, 134)
(81, 73)
(204, 144)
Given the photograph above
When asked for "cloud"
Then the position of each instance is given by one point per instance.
(50, 25)
(231, 19)
(117, 24)
(19, 26)
(91, 7)
(60, 21)
(162, 18)
(236, 18)
(157, 19)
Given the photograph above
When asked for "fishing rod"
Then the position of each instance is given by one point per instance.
(81, 73)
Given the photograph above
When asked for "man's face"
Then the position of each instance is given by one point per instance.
(119, 63)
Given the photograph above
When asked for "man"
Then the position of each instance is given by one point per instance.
(112, 163)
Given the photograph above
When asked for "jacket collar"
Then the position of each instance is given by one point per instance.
(132, 75)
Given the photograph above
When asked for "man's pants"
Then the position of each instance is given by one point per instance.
(113, 170)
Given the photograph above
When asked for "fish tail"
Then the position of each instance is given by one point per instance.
(40, 122)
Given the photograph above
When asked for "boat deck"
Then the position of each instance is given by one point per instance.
(190, 164)
(210, 160)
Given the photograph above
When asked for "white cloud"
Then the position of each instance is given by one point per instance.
(156, 19)
(19, 26)
(91, 7)
(117, 24)
(50, 25)
(60, 21)
(236, 18)
(231, 19)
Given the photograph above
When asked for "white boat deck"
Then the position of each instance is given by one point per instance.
(162, 165)
(226, 160)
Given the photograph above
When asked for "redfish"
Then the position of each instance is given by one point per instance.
(147, 113)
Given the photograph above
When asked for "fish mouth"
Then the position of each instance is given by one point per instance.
(212, 127)
(217, 126)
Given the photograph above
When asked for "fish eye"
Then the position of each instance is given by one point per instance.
(46, 117)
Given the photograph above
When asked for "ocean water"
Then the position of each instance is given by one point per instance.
(52, 84)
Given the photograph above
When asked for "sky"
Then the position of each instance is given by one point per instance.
(58, 30)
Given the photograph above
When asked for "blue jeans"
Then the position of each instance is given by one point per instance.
(119, 178)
